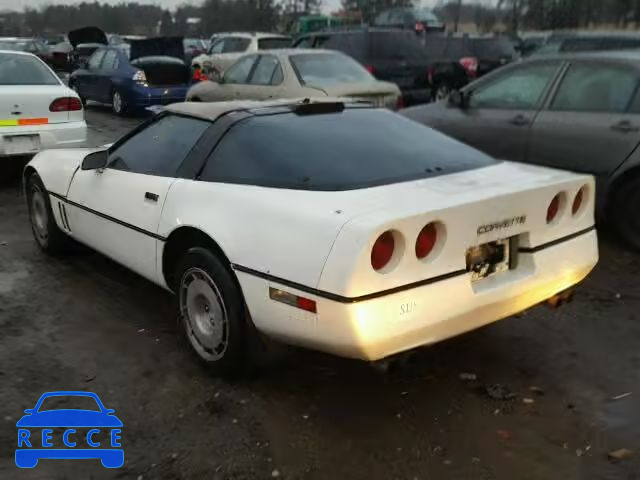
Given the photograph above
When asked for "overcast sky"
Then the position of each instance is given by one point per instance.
(328, 5)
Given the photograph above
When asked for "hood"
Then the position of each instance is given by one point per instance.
(158, 46)
(87, 35)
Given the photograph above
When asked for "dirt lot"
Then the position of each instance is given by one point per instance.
(84, 323)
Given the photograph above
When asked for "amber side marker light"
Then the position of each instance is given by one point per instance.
(293, 300)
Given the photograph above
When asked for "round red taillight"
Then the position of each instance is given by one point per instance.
(382, 250)
(426, 240)
(552, 211)
(577, 201)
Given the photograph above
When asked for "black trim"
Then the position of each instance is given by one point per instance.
(557, 241)
(107, 217)
(340, 298)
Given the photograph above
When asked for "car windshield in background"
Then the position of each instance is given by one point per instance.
(273, 43)
(327, 69)
(396, 45)
(16, 46)
(493, 48)
(24, 70)
(357, 148)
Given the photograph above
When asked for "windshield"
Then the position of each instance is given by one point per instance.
(356, 148)
(327, 69)
(273, 43)
(65, 402)
(16, 69)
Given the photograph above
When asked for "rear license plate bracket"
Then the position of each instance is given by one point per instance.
(489, 259)
(15, 144)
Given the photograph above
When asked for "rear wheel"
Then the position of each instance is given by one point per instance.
(441, 91)
(213, 314)
(118, 103)
(45, 230)
(623, 213)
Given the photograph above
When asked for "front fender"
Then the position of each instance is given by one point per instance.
(57, 167)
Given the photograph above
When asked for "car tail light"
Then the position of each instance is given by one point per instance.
(400, 103)
(552, 210)
(65, 104)
(289, 298)
(470, 64)
(382, 251)
(426, 240)
(370, 68)
(140, 77)
(577, 201)
(419, 27)
(198, 76)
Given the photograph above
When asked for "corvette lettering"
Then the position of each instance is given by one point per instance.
(508, 223)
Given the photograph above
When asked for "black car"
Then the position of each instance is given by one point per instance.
(420, 20)
(389, 54)
(455, 60)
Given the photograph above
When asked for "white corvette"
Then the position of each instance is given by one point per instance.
(339, 227)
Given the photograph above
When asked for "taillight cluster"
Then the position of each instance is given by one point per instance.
(470, 65)
(65, 104)
(558, 203)
(384, 247)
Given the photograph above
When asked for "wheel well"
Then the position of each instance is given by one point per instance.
(26, 173)
(181, 240)
(195, 99)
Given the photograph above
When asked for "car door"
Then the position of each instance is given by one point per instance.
(235, 82)
(103, 76)
(501, 110)
(117, 210)
(85, 80)
(265, 81)
(592, 123)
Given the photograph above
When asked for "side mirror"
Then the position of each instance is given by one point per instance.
(459, 99)
(95, 160)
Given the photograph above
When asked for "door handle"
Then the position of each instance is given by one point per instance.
(625, 126)
(151, 196)
(519, 121)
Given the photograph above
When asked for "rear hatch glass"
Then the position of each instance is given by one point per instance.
(273, 43)
(328, 69)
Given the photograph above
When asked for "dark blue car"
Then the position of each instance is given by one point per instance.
(134, 76)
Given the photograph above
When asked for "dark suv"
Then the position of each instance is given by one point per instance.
(455, 60)
(420, 20)
(389, 54)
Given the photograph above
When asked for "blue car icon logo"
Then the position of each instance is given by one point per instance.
(35, 432)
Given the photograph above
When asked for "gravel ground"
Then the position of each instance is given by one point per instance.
(84, 323)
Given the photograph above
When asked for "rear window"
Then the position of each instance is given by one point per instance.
(357, 148)
(24, 70)
(327, 69)
(17, 46)
(273, 43)
(395, 45)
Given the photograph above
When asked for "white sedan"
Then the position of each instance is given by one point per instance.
(37, 111)
(339, 227)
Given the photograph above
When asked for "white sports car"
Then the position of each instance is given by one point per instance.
(339, 227)
(37, 111)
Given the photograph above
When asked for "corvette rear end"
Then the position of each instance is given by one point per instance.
(428, 260)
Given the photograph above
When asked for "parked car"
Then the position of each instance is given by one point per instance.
(37, 111)
(420, 20)
(390, 55)
(85, 41)
(455, 60)
(136, 75)
(193, 47)
(296, 73)
(578, 112)
(589, 42)
(29, 45)
(329, 225)
(228, 47)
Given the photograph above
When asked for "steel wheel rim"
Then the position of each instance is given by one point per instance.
(204, 314)
(117, 102)
(39, 216)
(442, 92)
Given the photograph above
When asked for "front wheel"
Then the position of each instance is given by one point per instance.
(118, 104)
(213, 314)
(43, 224)
(622, 211)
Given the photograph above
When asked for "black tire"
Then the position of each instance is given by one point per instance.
(48, 236)
(213, 315)
(623, 213)
(441, 90)
(119, 107)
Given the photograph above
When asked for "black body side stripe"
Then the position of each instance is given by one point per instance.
(557, 241)
(107, 217)
(340, 298)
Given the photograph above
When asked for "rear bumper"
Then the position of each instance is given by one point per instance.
(55, 135)
(382, 326)
(140, 97)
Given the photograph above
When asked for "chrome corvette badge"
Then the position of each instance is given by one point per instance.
(508, 223)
